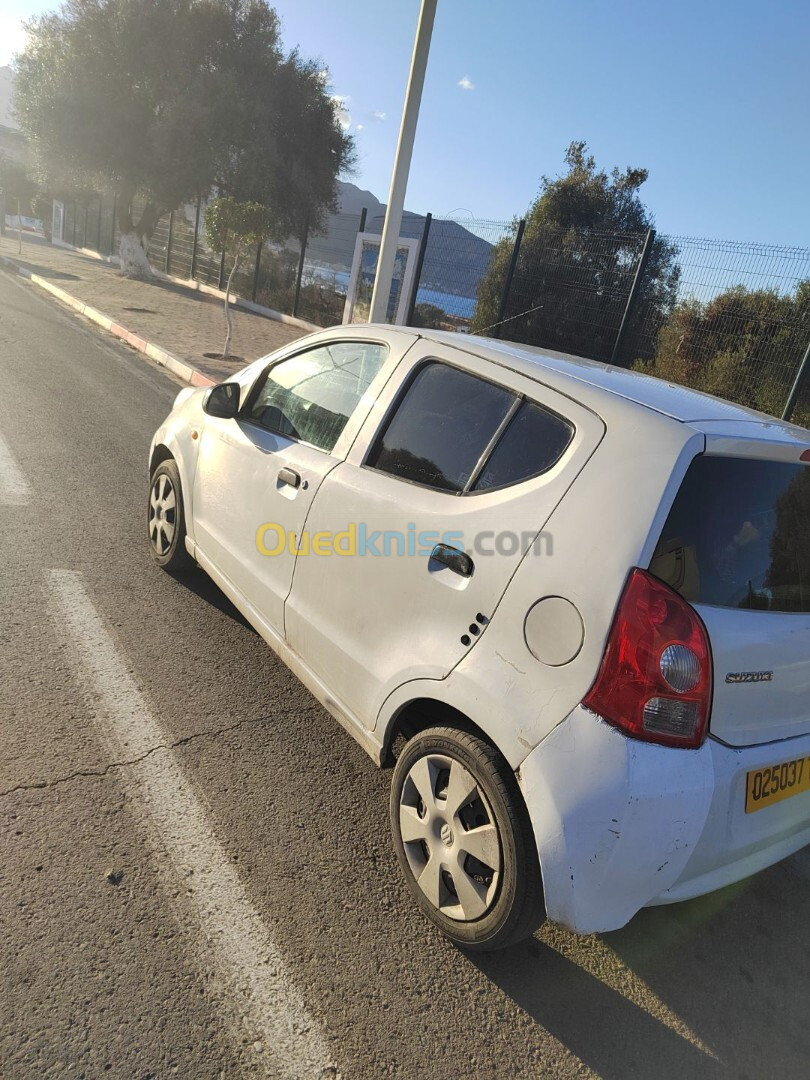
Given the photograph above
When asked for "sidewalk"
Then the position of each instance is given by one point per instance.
(180, 320)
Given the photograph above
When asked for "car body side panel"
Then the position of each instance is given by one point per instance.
(176, 434)
(615, 819)
(187, 415)
(371, 623)
(599, 531)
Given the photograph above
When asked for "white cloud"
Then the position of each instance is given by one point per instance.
(378, 116)
(359, 127)
(466, 83)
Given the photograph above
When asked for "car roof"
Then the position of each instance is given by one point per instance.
(606, 381)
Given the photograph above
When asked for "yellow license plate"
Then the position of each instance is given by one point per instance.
(765, 787)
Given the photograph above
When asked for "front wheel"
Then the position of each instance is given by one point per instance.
(463, 839)
(165, 518)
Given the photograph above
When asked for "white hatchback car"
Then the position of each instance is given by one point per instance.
(572, 601)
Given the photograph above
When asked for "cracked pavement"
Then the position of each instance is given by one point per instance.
(105, 969)
(103, 769)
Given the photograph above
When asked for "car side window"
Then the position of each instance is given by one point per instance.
(311, 396)
(534, 440)
(441, 428)
(462, 434)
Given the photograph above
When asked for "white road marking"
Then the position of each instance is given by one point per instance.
(14, 488)
(271, 1009)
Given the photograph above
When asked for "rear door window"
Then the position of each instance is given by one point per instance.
(441, 428)
(533, 442)
(738, 535)
(463, 434)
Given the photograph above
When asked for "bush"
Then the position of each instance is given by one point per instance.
(744, 345)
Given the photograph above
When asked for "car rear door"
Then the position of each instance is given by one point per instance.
(457, 469)
(736, 544)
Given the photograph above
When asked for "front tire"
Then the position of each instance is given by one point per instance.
(464, 841)
(166, 520)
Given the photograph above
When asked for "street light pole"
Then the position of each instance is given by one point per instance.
(402, 164)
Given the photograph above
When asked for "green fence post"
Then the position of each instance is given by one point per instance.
(194, 241)
(304, 238)
(510, 273)
(112, 229)
(632, 299)
(798, 383)
(420, 260)
(169, 241)
(256, 272)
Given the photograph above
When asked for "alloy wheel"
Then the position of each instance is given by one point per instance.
(162, 514)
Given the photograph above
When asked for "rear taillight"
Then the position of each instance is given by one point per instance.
(655, 681)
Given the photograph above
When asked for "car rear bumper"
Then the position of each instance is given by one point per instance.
(621, 824)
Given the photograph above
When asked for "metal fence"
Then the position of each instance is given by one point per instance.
(307, 278)
(732, 319)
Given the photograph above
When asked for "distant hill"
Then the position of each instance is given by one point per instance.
(455, 260)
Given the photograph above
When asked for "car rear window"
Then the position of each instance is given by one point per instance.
(738, 535)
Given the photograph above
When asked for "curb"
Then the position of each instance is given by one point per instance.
(198, 286)
(183, 370)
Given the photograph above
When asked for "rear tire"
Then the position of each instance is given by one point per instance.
(166, 520)
(464, 840)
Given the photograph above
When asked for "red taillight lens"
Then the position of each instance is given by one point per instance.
(655, 681)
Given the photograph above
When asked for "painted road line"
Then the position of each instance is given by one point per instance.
(272, 1012)
(14, 488)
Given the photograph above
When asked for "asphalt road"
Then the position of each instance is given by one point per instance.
(256, 923)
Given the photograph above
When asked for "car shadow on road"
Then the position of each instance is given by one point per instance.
(712, 987)
(203, 587)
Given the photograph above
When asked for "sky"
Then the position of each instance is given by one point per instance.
(711, 96)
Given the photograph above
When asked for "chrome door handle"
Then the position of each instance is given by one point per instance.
(290, 477)
(458, 561)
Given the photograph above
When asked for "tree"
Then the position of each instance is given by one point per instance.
(429, 316)
(744, 344)
(17, 188)
(165, 99)
(279, 140)
(235, 228)
(582, 241)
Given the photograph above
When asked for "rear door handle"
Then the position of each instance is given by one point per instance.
(290, 477)
(458, 561)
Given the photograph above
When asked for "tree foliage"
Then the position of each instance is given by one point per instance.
(745, 345)
(429, 316)
(170, 98)
(233, 227)
(16, 181)
(280, 143)
(17, 188)
(581, 244)
(236, 228)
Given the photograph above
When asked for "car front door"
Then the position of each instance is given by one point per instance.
(457, 469)
(257, 475)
